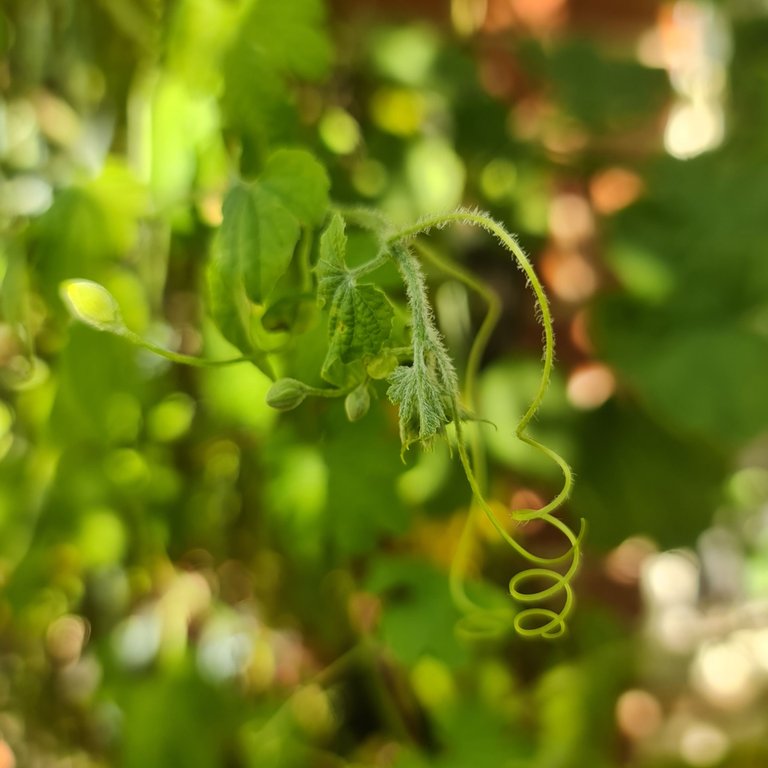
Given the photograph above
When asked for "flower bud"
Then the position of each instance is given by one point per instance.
(92, 304)
(286, 394)
(357, 403)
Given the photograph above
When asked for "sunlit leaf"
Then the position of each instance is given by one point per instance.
(262, 221)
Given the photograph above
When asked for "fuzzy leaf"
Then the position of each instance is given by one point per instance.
(361, 316)
(422, 403)
(360, 321)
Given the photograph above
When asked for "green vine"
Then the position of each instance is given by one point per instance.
(267, 263)
(536, 620)
(428, 397)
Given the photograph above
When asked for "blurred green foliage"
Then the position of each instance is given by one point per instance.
(190, 578)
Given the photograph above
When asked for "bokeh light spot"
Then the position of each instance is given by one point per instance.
(590, 385)
(369, 177)
(624, 563)
(339, 131)
(568, 274)
(570, 218)
(498, 179)
(671, 578)
(66, 637)
(703, 744)
(7, 757)
(638, 714)
(724, 673)
(399, 111)
(613, 189)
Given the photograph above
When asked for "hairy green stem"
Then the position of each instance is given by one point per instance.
(478, 621)
(379, 260)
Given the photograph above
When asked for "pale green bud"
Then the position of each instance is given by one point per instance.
(286, 394)
(92, 304)
(357, 403)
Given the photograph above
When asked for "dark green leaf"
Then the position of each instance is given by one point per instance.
(706, 380)
(635, 478)
(420, 617)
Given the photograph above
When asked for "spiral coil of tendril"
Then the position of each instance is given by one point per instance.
(533, 620)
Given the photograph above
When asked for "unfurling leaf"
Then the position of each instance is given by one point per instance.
(423, 404)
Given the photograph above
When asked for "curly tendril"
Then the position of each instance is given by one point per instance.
(524, 587)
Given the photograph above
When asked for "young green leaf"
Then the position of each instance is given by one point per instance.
(331, 267)
(291, 36)
(276, 45)
(299, 182)
(427, 392)
(360, 318)
(262, 221)
(227, 302)
(422, 402)
(92, 304)
(267, 244)
(360, 321)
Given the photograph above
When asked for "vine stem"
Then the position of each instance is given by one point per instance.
(534, 621)
(177, 357)
(478, 621)
(484, 221)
